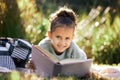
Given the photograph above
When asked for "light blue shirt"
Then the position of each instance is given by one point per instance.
(72, 52)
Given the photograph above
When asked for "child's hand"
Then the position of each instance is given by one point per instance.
(87, 75)
(30, 65)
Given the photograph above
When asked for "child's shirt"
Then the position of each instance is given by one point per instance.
(72, 52)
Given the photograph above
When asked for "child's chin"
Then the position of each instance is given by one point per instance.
(60, 51)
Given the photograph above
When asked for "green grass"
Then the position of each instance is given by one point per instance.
(15, 75)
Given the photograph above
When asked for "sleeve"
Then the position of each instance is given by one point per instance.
(78, 52)
(44, 44)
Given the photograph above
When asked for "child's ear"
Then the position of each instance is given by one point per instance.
(49, 34)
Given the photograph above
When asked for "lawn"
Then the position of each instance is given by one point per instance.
(98, 72)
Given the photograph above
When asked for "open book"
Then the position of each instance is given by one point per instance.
(48, 66)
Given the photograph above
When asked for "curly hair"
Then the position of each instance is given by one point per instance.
(63, 17)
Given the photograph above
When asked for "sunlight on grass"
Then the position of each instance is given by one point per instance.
(15, 75)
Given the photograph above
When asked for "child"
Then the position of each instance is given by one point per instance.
(59, 41)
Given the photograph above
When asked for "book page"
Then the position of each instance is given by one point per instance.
(69, 61)
(46, 53)
(46, 65)
(75, 67)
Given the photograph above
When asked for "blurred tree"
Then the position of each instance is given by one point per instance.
(10, 21)
(35, 22)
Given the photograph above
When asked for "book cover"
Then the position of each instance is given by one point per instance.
(48, 66)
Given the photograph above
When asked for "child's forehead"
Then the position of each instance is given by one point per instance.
(59, 25)
(63, 30)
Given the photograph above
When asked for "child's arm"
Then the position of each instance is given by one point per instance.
(77, 52)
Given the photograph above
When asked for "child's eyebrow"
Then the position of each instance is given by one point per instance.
(58, 36)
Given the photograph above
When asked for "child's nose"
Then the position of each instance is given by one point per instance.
(63, 42)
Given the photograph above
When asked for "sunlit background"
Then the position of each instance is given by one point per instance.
(97, 33)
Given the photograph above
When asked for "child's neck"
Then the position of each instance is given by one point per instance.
(58, 53)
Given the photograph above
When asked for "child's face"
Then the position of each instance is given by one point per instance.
(61, 38)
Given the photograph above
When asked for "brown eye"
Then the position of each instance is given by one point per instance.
(58, 37)
(67, 38)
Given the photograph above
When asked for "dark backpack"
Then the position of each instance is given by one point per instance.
(14, 52)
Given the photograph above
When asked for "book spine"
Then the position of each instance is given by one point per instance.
(57, 69)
